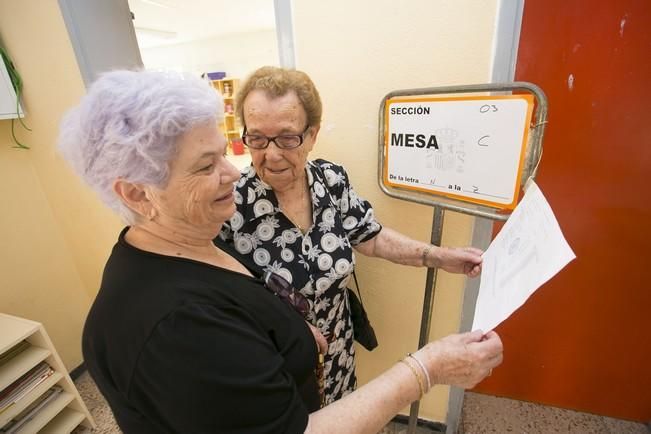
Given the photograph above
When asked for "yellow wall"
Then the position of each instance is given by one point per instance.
(55, 234)
(357, 52)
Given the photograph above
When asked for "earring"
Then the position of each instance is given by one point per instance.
(151, 215)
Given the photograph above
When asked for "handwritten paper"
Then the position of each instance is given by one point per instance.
(529, 250)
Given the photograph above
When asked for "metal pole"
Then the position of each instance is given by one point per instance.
(428, 302)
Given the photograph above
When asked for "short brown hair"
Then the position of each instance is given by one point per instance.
(277, 82)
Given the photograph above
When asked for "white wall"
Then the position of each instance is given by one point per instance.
(237, 54)
(357, 52)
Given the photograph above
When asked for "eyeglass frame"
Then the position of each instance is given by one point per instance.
(284, 290)
(269, 139)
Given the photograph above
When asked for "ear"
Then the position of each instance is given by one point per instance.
(134, 196)
(313, 133)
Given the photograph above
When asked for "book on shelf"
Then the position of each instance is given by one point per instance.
(31, 411)
(25, 384)
(13, 352)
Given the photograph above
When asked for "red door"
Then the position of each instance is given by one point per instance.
(583, 341)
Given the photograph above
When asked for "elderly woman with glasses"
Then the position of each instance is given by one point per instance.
(302, 219)
(184, 335)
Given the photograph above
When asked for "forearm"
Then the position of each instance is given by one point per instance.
(461, 360)
(370, 407)
(400, 249)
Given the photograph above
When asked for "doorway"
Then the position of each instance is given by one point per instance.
(582, 342)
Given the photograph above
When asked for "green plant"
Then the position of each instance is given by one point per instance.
(17, 83)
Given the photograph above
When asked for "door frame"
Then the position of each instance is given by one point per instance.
(508, 23)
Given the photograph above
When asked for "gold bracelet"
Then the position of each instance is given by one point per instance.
(425, 253)
(420, 382)
(422, 366)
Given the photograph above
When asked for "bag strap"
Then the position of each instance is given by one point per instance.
(327, 187)
(358, 290)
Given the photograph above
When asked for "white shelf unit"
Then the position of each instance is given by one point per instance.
(230, 125)
(8, 103)
(61, 415)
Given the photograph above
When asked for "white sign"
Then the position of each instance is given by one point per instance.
(466, 148)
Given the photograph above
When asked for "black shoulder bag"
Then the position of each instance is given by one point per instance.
(362, 328)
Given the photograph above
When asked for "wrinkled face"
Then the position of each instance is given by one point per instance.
(280, 168)
(199, 192)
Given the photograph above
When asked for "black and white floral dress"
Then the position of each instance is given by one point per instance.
(319, 263)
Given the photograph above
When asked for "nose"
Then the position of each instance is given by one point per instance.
(273, 152)
(230, 172)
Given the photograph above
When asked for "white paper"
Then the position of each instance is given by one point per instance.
(529, 250)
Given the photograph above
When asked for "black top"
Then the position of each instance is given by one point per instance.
(177, 345)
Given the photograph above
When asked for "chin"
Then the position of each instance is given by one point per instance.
(279, 182)
(227, 213)
(220, 214)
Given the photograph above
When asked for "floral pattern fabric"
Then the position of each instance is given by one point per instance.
(320, 263)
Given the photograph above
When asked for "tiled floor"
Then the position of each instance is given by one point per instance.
(96, 405)
(489, 414)
(481, 414)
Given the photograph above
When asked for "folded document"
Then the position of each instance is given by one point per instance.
(529, 250)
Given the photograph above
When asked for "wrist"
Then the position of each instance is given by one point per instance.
(424, 255)
(428, 358)
(429, 256)
(417, 373)
(421, 365)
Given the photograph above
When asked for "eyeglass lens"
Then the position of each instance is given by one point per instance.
(283, 289)
(286, 141)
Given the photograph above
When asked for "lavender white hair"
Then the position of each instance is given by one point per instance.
(127, 127)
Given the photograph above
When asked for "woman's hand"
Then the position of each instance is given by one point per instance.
(462, 260)
(462, 360)
(321, 342)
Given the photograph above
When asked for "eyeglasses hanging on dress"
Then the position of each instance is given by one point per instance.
(297, 301)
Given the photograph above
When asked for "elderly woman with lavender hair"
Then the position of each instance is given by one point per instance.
(183, 335)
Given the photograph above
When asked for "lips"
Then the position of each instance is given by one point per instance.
(275, 171)
(225, 197)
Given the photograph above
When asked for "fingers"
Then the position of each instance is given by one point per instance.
(488, 354)
(491, 351)
(487, 347)
(474, 250)
(492, 335)
(473, 260)
(473, 336)
(464, 359)
(493, 342)
(470, 254)
(473, 270)
(321, 341)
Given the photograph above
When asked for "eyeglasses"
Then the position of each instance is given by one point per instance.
(287, 293)
(283, 141)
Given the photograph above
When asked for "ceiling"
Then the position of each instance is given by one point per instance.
(167, 22)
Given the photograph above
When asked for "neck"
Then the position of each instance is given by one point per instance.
(189, 239)
(295, 189)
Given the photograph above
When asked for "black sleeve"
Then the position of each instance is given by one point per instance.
(214, 370)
